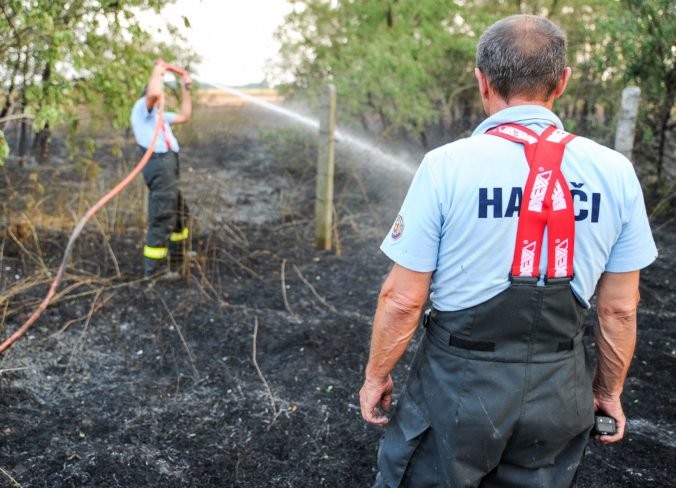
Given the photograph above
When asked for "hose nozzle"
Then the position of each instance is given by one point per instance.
(172, 68)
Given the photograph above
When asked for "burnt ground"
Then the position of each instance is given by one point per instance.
(124, 384)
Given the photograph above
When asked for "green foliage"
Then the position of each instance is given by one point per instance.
(642, 34)
(4, 148)
(293, 149)
(392, 59)
(88, 169)
(61, 57)
(409, 64)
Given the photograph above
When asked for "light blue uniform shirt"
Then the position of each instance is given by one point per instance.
(143, 126)
(460, 216)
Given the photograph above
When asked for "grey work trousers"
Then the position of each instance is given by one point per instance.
(499, 395)
(167, 211)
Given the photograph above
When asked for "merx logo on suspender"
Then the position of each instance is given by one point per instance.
(528, 258)
(561, 258)
(558, 197)
(537, 196)
(517, 133)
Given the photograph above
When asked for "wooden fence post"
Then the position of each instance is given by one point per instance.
(626, 124)
(325, 164)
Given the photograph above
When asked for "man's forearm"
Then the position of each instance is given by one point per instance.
(393, 328)
(154, 89)
(615, 343)
(617, 298)
(186, 102)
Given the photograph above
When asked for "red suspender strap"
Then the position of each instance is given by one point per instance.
(166, 136)
(547, 201)
(522, 135)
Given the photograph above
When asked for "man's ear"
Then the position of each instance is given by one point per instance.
(563, 82)
(483, 83)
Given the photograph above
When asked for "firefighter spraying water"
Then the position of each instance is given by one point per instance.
(150, 140)
(167, 241)
(168, 231)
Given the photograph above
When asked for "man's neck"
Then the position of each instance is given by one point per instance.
(496, 104)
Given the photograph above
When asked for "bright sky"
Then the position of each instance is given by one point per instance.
(233, 37)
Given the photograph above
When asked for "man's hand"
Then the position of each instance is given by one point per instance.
(186, 81)
(611, 407)
(185, 113)
(374, 395)
(154, 90)
(160, 68)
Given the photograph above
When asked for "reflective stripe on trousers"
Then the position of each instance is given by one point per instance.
(179, 236)
(155, 252)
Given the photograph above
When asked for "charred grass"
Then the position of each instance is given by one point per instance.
(244, 372)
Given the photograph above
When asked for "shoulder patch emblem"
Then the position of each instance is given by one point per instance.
(398, 227)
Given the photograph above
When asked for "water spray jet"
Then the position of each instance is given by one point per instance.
(382, 158)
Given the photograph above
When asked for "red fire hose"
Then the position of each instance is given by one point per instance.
(174, 69)
(87, 216)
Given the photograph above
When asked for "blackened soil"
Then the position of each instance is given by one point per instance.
(245, 372)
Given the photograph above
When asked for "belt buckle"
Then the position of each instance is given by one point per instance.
(427, 314)
(523, 280)
(562, 280)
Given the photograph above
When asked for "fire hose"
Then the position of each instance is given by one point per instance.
(87, 217)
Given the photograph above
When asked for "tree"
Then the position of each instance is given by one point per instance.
(391, 61)
(408, 64)
(644, 35)
(57, 57)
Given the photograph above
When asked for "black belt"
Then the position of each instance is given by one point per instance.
(488, 346)
(158, 154)
(533, 280)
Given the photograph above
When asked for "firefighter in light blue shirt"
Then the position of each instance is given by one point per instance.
(500, 392)
(461, 213)
(168, 231)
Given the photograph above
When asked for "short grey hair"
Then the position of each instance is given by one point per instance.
(522, 55)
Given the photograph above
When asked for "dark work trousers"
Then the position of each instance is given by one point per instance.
(167, 213)
(499, 395)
